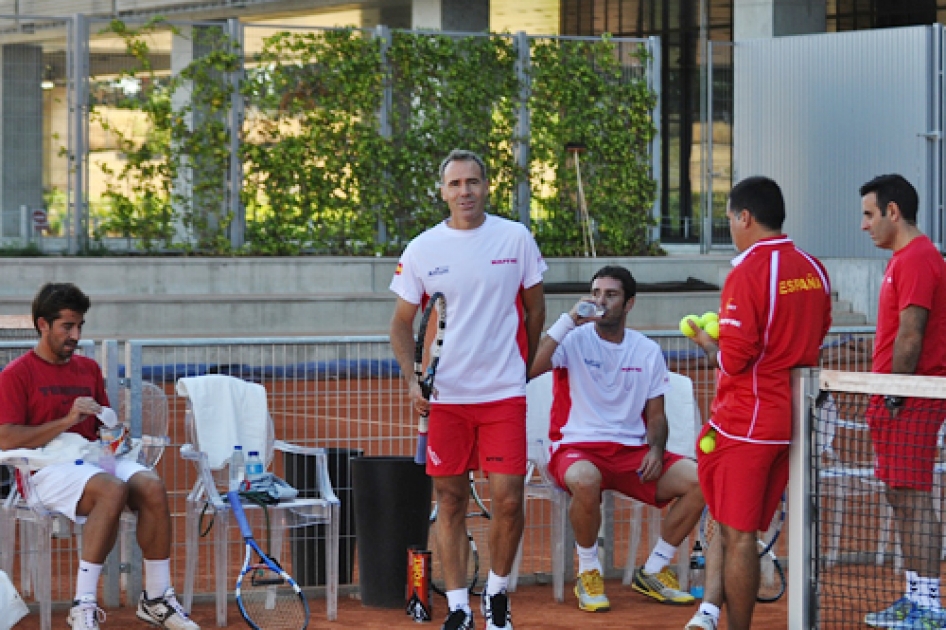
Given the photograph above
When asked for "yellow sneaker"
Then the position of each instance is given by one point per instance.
(589, 589)
(662, 586)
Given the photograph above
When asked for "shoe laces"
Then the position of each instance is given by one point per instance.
(456, 620)
(592, 582)
(170, 600)
(667, 577)
(93, 614)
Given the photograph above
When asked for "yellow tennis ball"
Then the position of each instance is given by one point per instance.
(708, 316)
(708, 442)
(685, 325)
(712, 329)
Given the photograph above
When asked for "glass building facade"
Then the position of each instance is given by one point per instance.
(684, 26)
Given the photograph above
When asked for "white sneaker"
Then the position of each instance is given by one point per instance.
(701, 621)
(495, 609)
(165, 612)
(85, 614)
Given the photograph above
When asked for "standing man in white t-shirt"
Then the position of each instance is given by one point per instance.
(490, 272)
(609, 432)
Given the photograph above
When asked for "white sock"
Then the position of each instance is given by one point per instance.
(459, 598)
(157, 577)
(710, 610)
(588, 558)
(496, 584)
(660, 557)
(87, 579)
(913, 586)
(929, 592)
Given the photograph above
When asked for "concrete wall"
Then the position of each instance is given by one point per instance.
(239, 297)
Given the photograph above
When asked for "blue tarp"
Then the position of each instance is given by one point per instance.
(318, 370)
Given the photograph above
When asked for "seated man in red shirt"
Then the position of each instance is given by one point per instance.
(51, 391)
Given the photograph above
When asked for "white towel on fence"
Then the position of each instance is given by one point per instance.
(227, 411)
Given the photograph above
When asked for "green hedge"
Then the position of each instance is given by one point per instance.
(323, 175)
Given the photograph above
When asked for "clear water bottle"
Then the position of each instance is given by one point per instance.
(697, 571)
(106, 457)
(254, 468)
(237, 469)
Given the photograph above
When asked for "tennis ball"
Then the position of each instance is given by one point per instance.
(708, 316)
(685, 325)
(708, 442)
(712, 329)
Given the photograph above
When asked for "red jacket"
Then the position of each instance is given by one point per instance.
(775, 311)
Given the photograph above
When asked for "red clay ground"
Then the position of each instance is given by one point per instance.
(533, 607)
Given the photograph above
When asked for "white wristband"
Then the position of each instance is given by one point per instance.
(562, 327)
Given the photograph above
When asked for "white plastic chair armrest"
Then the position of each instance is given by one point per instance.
(200, 460)
(326, 492)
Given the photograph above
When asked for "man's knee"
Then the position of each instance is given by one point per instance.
(103, 493)
(146, 490)
(584, 481)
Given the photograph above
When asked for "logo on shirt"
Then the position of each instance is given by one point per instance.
(438, 271)
(400, 268)
(631, 368)
(729, 305)
(728, 321)
(65, 390)
(793, 285)
(505, 261)
(593, 363)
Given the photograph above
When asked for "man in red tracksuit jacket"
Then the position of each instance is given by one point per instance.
(775, 310)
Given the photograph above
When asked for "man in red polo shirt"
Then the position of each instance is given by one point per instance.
(910, 339)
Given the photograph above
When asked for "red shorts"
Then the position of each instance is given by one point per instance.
(905, 447)
(743, 482)
(618, 465)
(487, 436)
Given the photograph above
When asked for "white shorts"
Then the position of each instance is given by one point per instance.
(58, 487)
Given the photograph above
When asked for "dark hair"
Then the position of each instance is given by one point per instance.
(621, 274)
(763, 199)
(897, 189)
(54, 297)
(462, 155)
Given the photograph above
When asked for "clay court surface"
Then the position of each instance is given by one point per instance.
(532, 606)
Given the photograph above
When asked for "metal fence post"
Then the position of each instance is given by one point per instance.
(653, 82)
(235, 184)
(383, 33)
(523, 200)
(79, 123)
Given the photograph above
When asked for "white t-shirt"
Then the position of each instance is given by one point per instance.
(481, 273)
(607, 386)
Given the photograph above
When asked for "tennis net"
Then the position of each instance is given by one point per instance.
(868, 477)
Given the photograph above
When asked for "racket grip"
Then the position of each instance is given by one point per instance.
(420, 457)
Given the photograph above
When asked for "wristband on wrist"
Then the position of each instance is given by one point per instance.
(562, 327)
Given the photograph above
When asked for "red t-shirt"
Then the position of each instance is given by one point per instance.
(915, 276)
(34, 392)
(775, 309)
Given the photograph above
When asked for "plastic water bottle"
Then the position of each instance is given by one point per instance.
(106, 457)
(254, 468)
(697, 571)
(237, 469)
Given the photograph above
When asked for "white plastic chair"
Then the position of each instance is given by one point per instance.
(38, 525)
(683, 418)
(213, 473)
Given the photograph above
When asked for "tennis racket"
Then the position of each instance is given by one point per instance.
(771, 574)
(268, 598)
(425, 378)
(438, 579)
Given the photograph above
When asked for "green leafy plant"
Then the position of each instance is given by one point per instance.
(322, 175)
(580, 94)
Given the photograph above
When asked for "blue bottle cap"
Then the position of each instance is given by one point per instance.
(254, 453)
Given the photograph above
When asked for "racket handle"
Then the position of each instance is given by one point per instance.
(420, 457)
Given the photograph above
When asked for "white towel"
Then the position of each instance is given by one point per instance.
(227, 411)
(682, 416)
(65, 447)
(12, 607)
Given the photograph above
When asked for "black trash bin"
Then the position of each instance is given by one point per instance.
(308, 543)
(392, 512)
